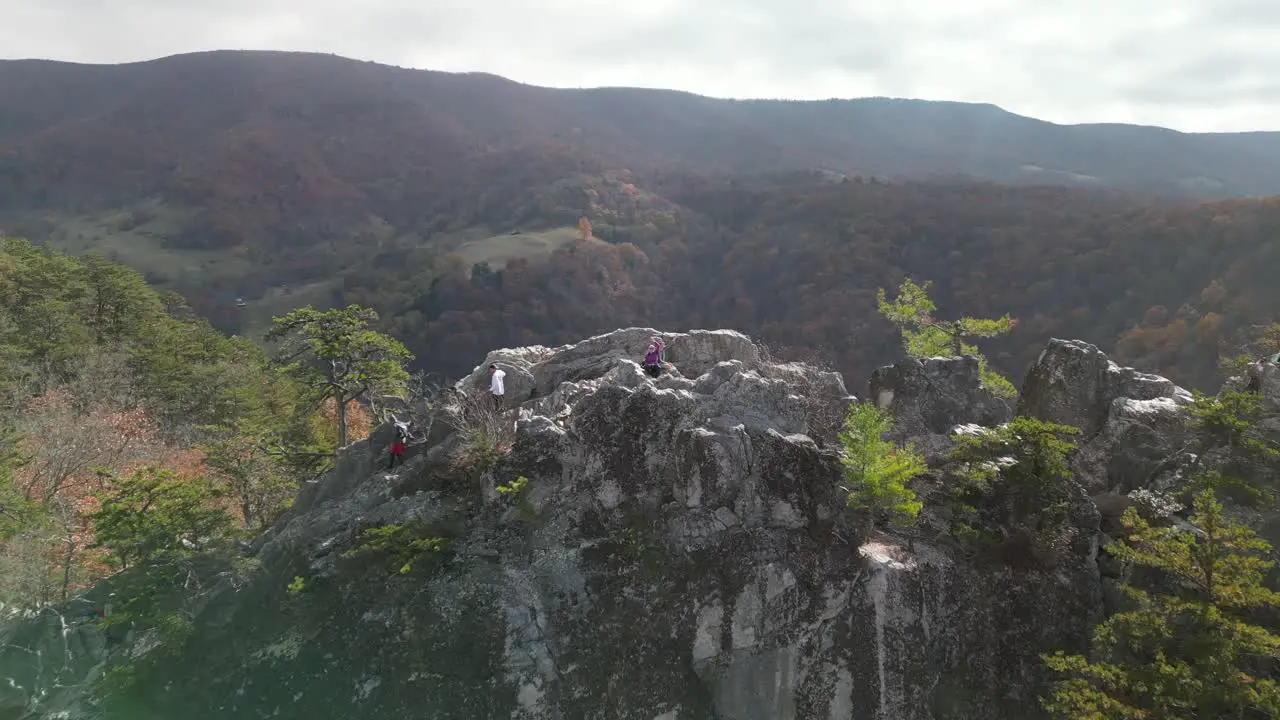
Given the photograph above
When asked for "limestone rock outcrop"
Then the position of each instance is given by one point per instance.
(680, 549)
(930, 398)
(1131, 423)
(1262, 377)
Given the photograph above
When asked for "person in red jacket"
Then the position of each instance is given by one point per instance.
(397, 452)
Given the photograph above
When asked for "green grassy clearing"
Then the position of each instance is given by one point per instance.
(498, 250)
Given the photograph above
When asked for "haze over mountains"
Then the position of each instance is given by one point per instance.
(171, 544)
(185, 103)
(254, 182)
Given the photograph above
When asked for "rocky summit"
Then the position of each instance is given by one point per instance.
(629, 547)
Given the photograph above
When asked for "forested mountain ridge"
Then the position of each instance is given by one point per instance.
(358, 118)
(1170, 287)
(173, 543)
(449, 201)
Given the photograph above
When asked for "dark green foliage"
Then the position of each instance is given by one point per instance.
(1187, 653)
(1198, 643)
(480, 453)
(44, 296)
(337, 355)
(1013, 486)
(266, 441)
(154, 514)
(56, 310)
(261, 483)
(17, 511)
(119, 303)
(89, 336)
(400, 545)
(1225, 420)
(1231, 453)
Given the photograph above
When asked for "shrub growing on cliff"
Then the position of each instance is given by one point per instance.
(401, 545)
(924, 336)
(1014, 484)
(877, 470)
(1225, 421)
(1228, 453)
(1188, 652)
(1231, 453)
(489, 434)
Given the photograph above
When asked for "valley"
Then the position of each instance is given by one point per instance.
(295, 178)
(322, 394)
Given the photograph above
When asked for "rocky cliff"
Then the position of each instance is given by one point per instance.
(662, 549)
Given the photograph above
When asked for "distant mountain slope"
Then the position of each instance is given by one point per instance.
(1167, 287)
(98, 132)
(255, 182)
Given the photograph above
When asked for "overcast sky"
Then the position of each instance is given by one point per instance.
(1186, 64)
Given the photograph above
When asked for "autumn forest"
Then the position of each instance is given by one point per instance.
(473, 213)
(218, 269)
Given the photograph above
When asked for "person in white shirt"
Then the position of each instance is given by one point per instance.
(496, 387)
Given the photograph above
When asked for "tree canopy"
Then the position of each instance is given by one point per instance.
(109, 393)
(925, 336)
(876, 469)
(1191, 651)
(336, 354)
(1195, 639)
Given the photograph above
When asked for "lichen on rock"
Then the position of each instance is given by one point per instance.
(681, 550)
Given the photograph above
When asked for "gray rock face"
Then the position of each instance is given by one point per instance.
(1130, 422)
(41, 650)
(1262, 377)
(1074, 383)
(929, 398)
(680, 552)
(537, 371)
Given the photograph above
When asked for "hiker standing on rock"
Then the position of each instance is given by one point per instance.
(653, 357)
(1257, 370)
(496, 387)
(397, 453)
(398, 443)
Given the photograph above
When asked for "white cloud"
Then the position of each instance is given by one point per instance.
(1188, 64)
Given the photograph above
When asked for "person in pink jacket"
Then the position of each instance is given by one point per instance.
(653, 357)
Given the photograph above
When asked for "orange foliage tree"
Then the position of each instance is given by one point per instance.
(359, 423)
(72, 448)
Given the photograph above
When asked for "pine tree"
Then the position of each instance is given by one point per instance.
(335, 353)
(924, 336)
(1013, 485)
(876, 469)
(1189, 652)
